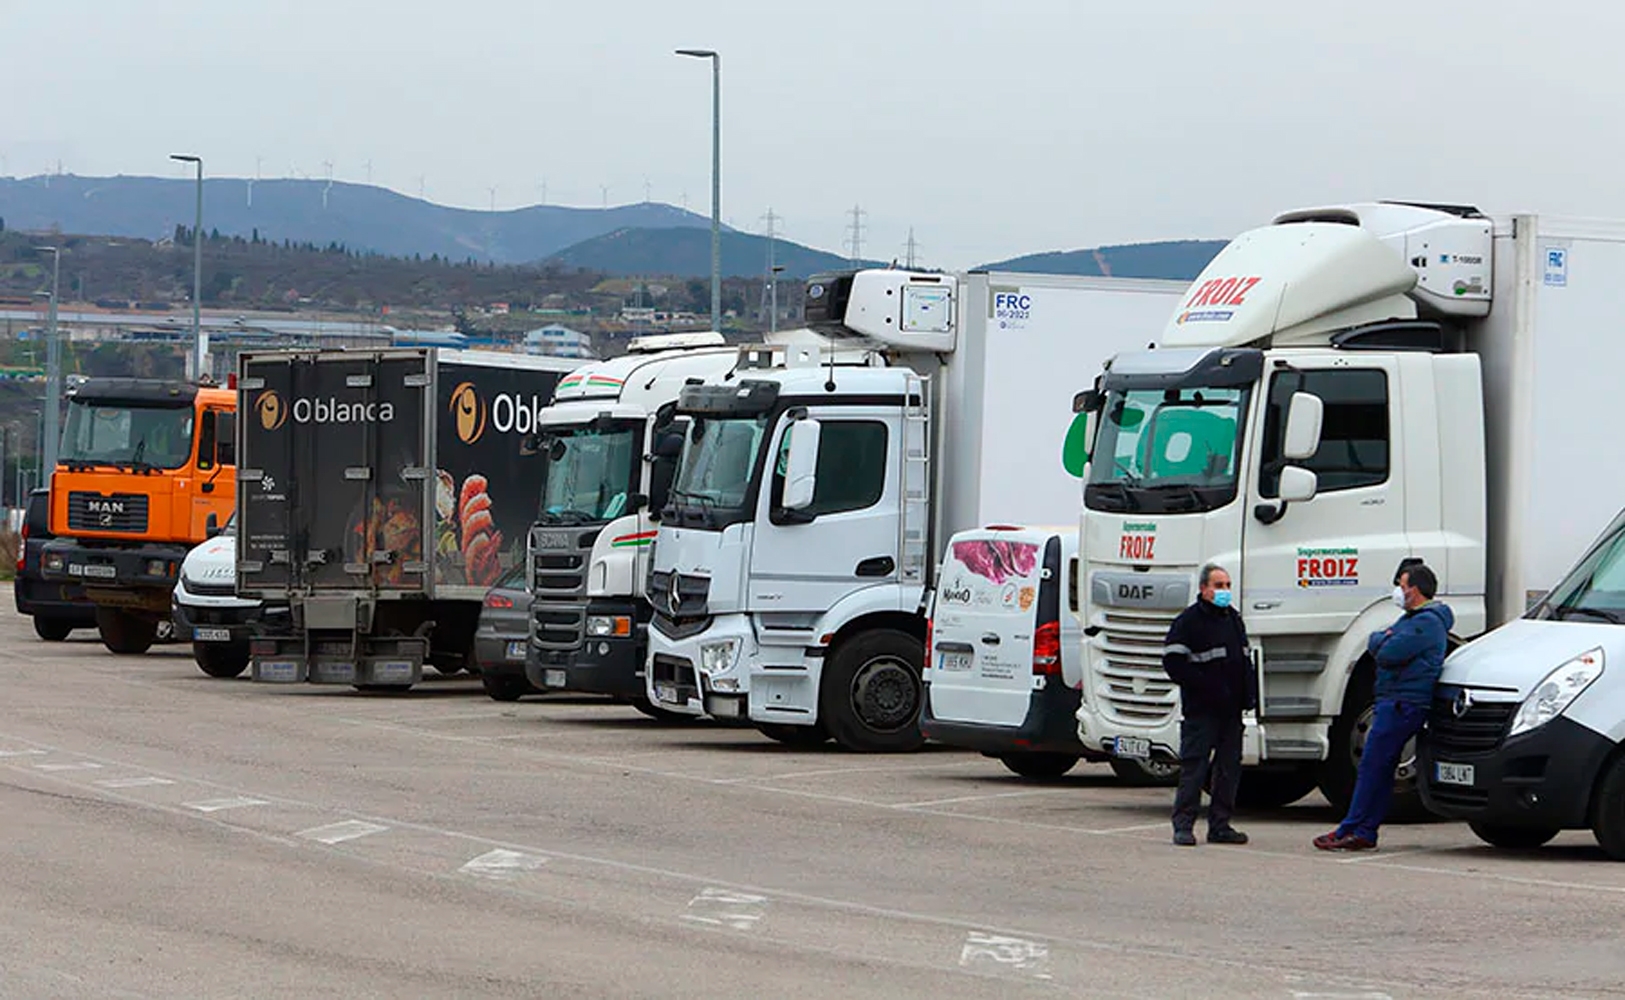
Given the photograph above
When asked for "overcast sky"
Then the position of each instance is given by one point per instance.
(992, 128)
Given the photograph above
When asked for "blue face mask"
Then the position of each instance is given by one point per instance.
(1221, 598)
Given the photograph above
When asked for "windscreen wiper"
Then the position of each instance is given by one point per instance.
(1562, 614)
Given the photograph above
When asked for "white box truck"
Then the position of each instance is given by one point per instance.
(792, 561)
(1342, 390)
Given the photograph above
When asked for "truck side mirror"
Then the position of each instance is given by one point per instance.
(801, 465)
(1088, 401)
(1298, 485)
(668, 444)
(211, 525)
(1303, 421)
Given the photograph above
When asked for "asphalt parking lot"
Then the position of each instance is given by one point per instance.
(171, 835)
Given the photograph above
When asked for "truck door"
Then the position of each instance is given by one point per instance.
(1310, 573)
(807, 560)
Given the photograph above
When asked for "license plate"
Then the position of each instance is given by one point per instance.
(666, 693)
(1132, 747)
(953, 662)
(516, 650)
(553, 678)
(724, 708)
(1453, 774)
(93, 571)
(211, 635)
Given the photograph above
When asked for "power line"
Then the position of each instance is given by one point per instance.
(854, 237)
(911, 251)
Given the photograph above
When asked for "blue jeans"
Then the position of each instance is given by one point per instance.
(1394, 724)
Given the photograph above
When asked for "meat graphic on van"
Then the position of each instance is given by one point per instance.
(997, 561)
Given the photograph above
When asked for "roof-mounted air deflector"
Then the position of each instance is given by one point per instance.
(747, 398)
(1411, 335)
(897, 309)
(1208, 369)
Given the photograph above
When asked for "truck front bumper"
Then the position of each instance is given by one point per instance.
(1097, 734)
(688, 671)
(133, 576)
(603, 664)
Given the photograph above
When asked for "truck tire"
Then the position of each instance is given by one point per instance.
(1608, 810)
(1348, 734)
(52, 629)
(870, 695)
(1145, 773)
(505, 688)
(1512, 838)
(655, 712)
(802, 737)
(124, 633)
(1040, 766)
(221, 659)
(1274, 788)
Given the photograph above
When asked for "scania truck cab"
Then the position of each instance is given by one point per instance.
(147, 470)
(791, 568)
(1335, 395)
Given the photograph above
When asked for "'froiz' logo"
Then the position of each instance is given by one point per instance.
(468, 411)
(272, 410)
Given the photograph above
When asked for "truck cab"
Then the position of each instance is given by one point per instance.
(146, 471)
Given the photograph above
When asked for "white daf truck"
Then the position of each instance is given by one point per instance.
(792, 561)
(1340, 391)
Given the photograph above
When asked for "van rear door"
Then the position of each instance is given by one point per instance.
(983, 624)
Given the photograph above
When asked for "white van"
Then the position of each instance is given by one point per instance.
(1527, 733)
(1003, 675)
(207, 611)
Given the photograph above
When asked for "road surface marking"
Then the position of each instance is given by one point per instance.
(22, 753)
(986, 798)
(726, 908)
(338, 833)
(78, 765)
(1002, 952)
(216, 805)
(142, 782)
(503, 864)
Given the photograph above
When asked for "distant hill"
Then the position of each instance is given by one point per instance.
(686, 252)
(1180, 260)
(358, 216)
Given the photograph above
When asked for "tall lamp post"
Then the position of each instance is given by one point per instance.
(199, 349)
(52, 432)
(716, 179)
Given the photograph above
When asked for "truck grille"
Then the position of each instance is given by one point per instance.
(558, 626)
(1476, 731)
(1130, 681)
(558, 575)
(558, 587)
(690, 599)
(125, 512)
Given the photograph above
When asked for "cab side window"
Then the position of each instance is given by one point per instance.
(851, 466)
(1354, 439)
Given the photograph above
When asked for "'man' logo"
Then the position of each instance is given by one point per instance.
(272, 410)
(468, 411)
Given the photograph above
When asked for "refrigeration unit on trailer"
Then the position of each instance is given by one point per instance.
(793, 558)
(384, 492)
(1340, 391)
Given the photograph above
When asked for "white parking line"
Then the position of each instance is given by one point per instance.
(22, 753)
(217, 805)
(78, 765)
(142, 782)
(726, 908)
(503, 864)
(338, 833)
(986, 798)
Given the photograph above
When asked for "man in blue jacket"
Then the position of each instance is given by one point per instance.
(1409, 656)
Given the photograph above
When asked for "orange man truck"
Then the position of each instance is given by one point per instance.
(147, 470)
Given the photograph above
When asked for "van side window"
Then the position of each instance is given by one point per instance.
(1354, 442)
(851, 466)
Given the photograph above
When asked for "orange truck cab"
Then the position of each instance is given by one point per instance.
(147, 470)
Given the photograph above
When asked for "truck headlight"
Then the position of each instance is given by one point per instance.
(1559, 689)
(609, 625)
(54, 563)
(717, 657)
(157, 567)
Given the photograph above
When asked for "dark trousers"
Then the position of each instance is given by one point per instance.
(1208, 743)
(1392, 726)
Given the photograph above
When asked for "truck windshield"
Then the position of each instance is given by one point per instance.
(718, 461)
(1167, 450)
(590, 473)
(1595, 589)
(142, 436)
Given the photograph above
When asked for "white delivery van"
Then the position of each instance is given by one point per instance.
(1003, 674)
(1527, 733)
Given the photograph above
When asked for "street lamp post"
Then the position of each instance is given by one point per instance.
(716, 179)
(199, 349)
(53, 370)
(773, 297)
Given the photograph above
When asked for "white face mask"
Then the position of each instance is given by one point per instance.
(1399, 598)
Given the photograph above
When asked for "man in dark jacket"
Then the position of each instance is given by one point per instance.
(1206, 654)
(1410, 656)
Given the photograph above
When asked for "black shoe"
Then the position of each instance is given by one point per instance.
(1227, 835)
(1184, 838)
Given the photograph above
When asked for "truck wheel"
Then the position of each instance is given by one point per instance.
(1348, 735)
(655, 712)
(1512, 838)
(52, 629)
(1608, 811)
(803, 737)
(125, 633)
(505, 688)
(221, 660)
(1272, 789)
(1145, 773)
(871, 692)
(1040, 766)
